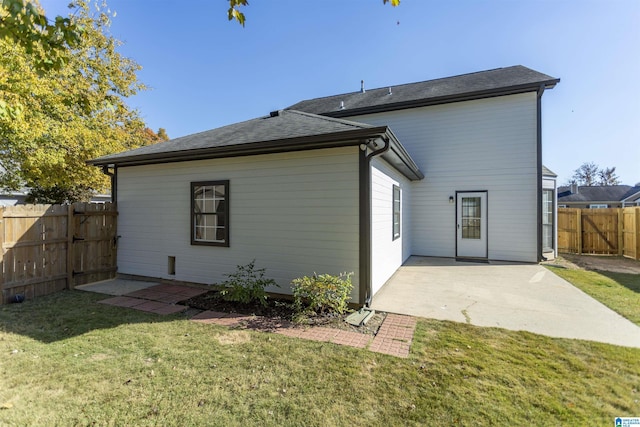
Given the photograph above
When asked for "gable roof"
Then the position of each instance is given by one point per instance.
(483, 84)
(598, 193)
(633, 194)
(548, 172)
(280, 131)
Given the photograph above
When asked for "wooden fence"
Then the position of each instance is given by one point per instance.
(47, 248)
(600, 231)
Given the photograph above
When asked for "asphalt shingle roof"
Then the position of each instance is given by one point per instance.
(279, 126)
(600, 193)
(474, 85)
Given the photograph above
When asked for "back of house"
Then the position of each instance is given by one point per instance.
(353, 182)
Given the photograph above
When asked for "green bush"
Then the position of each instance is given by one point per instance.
(322, 293)
(246, 285)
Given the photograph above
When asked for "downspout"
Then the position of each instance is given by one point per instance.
(539, 168)
(114, 181)
(364, 296)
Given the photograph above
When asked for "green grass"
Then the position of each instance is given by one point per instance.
(618, 291)
(65, 360)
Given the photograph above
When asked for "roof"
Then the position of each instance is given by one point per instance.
(599, 193)
(548, 172)
(483, 84)
(633, 194)
(280, 131)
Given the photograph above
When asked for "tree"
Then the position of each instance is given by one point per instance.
(25, 24)
(589, 174)
(57, 119)
(153, 137)
(162, 135)
(608, 176)
(235, 14)
(586, 174)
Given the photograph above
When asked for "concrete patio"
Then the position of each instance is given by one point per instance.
(513, 296)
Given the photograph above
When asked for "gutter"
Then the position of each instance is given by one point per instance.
(364, 295)
(114, 181)
(539, 169)
(333, 140)
(446, 99)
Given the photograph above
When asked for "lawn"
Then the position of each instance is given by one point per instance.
(65, 360)
(618, 291)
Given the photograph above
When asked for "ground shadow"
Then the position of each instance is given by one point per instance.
(67, 314)
(629, 281)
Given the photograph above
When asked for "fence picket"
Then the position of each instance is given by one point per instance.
(600, 231)
(39, 249)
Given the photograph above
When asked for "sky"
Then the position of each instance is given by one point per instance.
(204, 72)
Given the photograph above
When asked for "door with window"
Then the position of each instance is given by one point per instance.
(471, 224)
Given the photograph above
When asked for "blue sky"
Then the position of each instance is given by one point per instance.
(204, 71)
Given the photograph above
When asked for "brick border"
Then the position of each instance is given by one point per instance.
(393, 338)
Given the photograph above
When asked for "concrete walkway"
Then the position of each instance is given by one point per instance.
(513, 296)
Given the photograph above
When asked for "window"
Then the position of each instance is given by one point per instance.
(598, 206)
(210, 213)
(396, 212)
(471, 217)
(547, 220)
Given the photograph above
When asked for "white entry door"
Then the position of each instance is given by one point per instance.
(471, 224)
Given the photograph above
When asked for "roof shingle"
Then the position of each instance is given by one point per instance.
(599, 193)
(467, 86)
(277, 126)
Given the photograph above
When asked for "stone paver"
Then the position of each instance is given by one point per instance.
(158, 299)
(126, 302)
(393, 338)
(395, 335)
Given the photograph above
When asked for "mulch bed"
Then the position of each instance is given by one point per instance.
(282, 309)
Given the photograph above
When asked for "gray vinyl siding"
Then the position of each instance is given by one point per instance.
(295, 213)
(387, 254)
(487, 144)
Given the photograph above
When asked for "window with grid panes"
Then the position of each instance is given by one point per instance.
(210, 213)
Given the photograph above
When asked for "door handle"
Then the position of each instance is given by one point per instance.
(458, 226)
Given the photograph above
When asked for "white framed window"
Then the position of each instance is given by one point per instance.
(598, 206)
(397, 214)
(210, 213)
(547, 220)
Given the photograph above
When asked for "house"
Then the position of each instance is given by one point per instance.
(598, 196)
(353, 182)
(19, 197)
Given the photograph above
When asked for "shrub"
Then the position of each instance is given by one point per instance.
(246, 285)
(322, 293)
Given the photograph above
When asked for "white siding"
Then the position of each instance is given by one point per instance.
(295, 213)
(487, 144)
(387, 254)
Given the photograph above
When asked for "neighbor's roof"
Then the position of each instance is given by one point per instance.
(280, 131)
(633, 194)
(599, 193)
(483, 84)
(548, 172)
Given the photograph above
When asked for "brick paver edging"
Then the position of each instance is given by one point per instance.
(393, 338)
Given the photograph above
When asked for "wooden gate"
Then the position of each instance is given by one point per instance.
(613, 231)
(47, 248)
